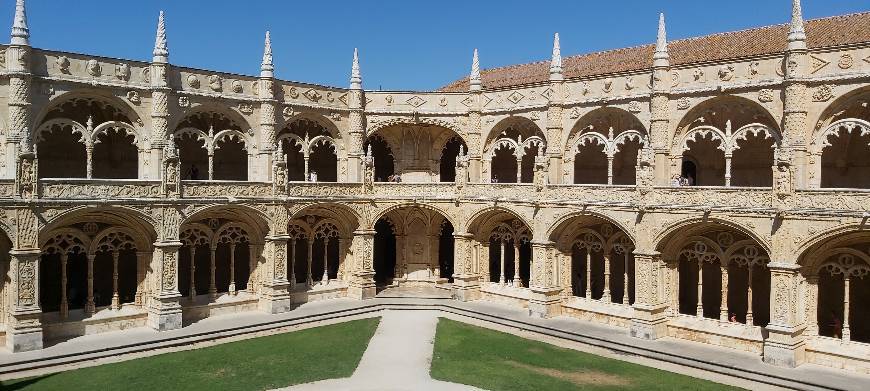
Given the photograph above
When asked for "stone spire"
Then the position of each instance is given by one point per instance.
(797, 37)
(161, 51)
(556, 60)
(474, 79)
(661, 57)
(267, 69)
(355, 74)
(20, 32)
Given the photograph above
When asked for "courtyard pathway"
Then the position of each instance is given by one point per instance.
(398, 357)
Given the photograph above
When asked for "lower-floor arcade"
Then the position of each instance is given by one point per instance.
(703, 280)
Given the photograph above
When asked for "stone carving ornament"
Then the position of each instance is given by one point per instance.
(846, 61)
(237, 87)
(765, 95)
(823, 93)
(133, 97)
(215, 83)
(192, 81)
(62, 63)
(94, 68)
(726, 72)
(122, 72)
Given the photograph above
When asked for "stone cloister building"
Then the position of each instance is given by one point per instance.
(148, 194)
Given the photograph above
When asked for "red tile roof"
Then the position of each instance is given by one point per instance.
(825, 32)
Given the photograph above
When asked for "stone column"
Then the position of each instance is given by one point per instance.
(588, 273)
(64, 304)
(399, 272)
(192, 292)
(847, 333)
(309, 280)
(466, 280)
(749, 319)
(212, 286)
(23, 326)
(606, 295)
(275, 297)
(501, 248)
(356, 129)
(268, 108)
(545, 298)
(517, 280)
(723, 306)
(812, 302)
(90, 306)
(116, 300)
(625, 298)
(164, 309)
(362, 285)
(785, 345)
(232, 288)
(649, 319)
(141, 285)
(699, 308)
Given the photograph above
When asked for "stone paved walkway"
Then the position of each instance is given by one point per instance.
(398, 357)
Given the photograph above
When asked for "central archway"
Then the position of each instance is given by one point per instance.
(413, 245)
(418, 152)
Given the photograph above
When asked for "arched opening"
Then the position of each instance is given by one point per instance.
(225, 145)
(846, 157)
(625, 162)
(709, 160)
(325, 252)
(384, 253)
(311, 151)
(505, 249)
(843, 141)
(590, 163)
(66, 142)
(447, 166)
(446, 245)
(230, 159)
(752, 159)
(731, 141)
(61, 153)
(604, 144)
(194, 262)
(718, 273)
(596, 260)
(504, 165)
(511, 147)
(193, 155)
(324, 163)
(689, 169)
(115, 155)
(385, 167)
(232, 258)
(319, 242)
(837, 272)
(415, 248)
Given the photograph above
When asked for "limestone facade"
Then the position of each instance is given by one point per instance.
(147, 194)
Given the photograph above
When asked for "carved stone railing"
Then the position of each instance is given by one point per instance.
(831, 199)
(98, 188)
(241, 189)
(7, 187)
(756, 199)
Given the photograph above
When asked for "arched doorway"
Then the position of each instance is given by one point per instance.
(511, 148)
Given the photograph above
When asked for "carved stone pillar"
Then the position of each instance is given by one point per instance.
(785, 345)
(723, 306)
(164, 310)
(356, 134)
(362, 285)
(275, 296)
(20, 102)
(23, 326)
(159, 115)
(649, 320)
(466, 280)
(812, 302)
(544, 300)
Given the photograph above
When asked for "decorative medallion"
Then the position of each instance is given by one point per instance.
(183, 101)
(313, 95)
(634, 106)
(94, 68)
(416, 101)
(683, 103)
(62, 63)
(726, 72)
(846, 61)
(133, 97)
(215, 83)
(122, 72)
(192, 81)
(823, 93)
(765, 95)
(246, 108)
(237, 87)
(515, 97)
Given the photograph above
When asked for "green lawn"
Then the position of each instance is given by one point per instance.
(500, 362)
(281, 360)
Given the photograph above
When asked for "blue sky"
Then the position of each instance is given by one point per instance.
(407, 45)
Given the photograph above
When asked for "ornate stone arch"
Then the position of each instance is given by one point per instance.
(347, 218)
(610, 123)
(432, 208)
(90, 96)
(523, 126)
(119, 216)
(380, 125)
(850, 105)
(65, 240)
(566, 219)
(480, 217)
(117, 238)
(254, 219)
(117, 126)
(230, 114)
(667, 242)
(714, 113)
